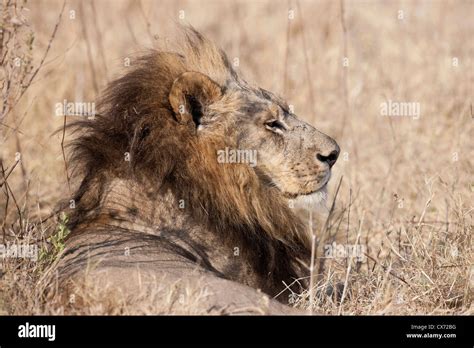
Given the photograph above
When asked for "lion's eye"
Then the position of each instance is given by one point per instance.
(275, 126)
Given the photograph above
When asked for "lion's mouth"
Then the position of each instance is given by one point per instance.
(308, 195)
(291, 195)
(315, 200)
(322, 187)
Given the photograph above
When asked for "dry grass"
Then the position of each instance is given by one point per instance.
(406, 194)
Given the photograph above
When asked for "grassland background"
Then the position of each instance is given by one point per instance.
(408, 183)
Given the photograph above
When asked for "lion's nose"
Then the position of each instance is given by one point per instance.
(329, 158)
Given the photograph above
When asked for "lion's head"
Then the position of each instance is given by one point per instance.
(259, 129)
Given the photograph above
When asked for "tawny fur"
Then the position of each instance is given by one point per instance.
(136, 162)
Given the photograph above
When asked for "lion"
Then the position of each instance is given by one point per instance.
(188, 175)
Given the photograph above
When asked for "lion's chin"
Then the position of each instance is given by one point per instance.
(313, 201)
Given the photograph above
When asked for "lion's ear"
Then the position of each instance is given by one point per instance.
(190, 94)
